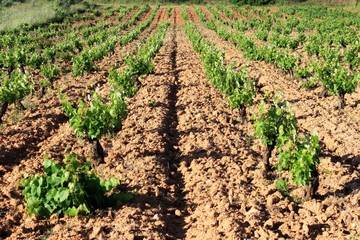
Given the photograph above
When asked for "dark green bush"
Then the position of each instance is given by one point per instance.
(65, 4)
(8, 3)
(252, 2)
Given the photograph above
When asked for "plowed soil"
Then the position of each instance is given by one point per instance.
(193, 165)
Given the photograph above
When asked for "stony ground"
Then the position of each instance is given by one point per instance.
(183, 150)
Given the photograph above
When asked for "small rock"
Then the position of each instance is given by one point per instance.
(56, 228)
(252, 211)
(209, 206)
(178, 213)
(284, 228)
(305, 228)
(273, 199)
(96, 231)
(230, 196)
(111, 214)
(354, 226)
(322, 217)
(269, 223)
(263, 234)
(292, 207)
(304, 213)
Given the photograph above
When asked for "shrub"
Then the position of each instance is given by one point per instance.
(70, 189)
(252, 2)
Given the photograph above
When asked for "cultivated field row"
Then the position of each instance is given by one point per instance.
(191, 160)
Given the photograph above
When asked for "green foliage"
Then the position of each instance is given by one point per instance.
(83, 63)
(226, 11)
(337, 80)
(285, 61)
(135, 17)
(283, 41)
(282, 59)
(243, 96)
(14, 88)
(313, 46)
(336, 31)
(50, 54)
(277, 118)
(70, 189)
(98, 119)
(124, 82)
(49, 71)
(300, 156)
(227, 79)
(261, 34)
(184, 14)
(35, 60)
(9, 60)
(64, 5)
(200, 13)
(303, 72)
(20, 56)
(351, 56)
(139, 65)
(168, 11)
(125, 11)
(153, 43)
(214, 12)
(278, 127)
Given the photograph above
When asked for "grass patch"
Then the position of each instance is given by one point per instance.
(31, 12)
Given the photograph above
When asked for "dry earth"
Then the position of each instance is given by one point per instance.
(195, 170)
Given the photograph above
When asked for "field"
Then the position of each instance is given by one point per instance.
(167, 98)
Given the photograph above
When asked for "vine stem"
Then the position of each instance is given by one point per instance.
(3, 108)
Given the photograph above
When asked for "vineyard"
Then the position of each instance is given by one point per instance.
(182, 122)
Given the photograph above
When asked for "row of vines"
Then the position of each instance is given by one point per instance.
(276, 124)
(31, 62)
(324, 51)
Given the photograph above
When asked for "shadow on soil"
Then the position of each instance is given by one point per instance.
(13, 156)
(351, 164)
(317, 229)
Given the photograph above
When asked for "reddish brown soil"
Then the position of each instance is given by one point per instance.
(44, 129)
(192, 163)
(66, 65)
(299, 51)
(223, 15)
(192, 14)
(238, 15)
(164, 16)
(207, 12)
(176, 17)
(339, 164)
(253, 13)
(74, 88)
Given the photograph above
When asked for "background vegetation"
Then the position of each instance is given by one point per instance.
(29, 12)
(14, 13)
